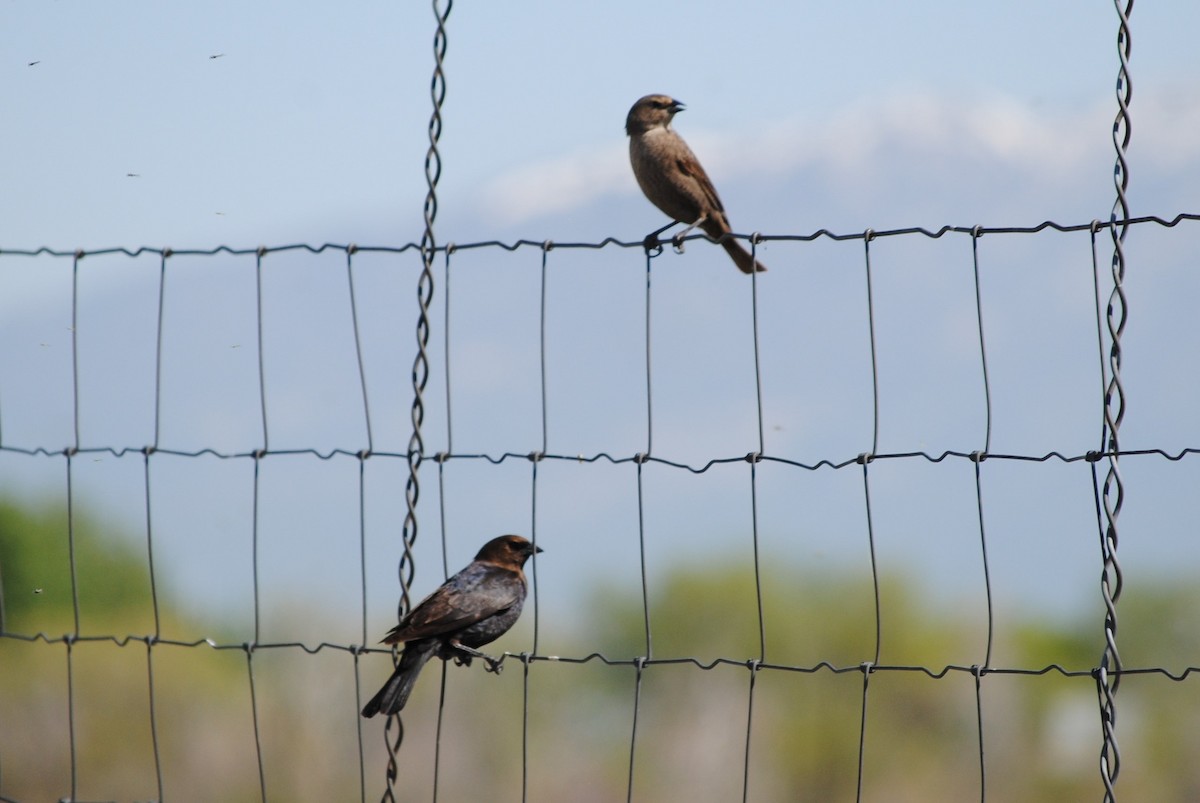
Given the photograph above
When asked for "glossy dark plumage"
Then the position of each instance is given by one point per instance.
(473, 608)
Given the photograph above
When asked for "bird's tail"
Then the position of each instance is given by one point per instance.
(741, 257)
(394, 694)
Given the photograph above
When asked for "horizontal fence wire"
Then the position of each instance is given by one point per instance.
(641, 457)
(614, 242)
(637, 662)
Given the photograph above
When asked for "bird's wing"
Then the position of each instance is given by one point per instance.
(477, 592)
(690, 166)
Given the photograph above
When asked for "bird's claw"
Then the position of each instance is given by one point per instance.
(495, 665)
(677, 242)
(652, 245)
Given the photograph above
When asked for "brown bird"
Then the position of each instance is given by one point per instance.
(671, 176)
(472, 608)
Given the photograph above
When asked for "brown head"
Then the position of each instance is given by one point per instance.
(652, 111)
(508, 550)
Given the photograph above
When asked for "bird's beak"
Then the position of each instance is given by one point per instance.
(538, 549)
(677, 107)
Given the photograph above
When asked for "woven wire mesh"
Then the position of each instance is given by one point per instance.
(374, 459)
(552, 479)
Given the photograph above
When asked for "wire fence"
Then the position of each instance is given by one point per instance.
(273, 781)
(755, 664)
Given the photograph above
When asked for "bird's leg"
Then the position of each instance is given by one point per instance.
(494, 664)
(677, 240)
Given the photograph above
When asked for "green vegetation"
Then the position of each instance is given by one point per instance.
(1040, 732)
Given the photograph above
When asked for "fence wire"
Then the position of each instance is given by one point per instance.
(755, 665)
(1109, 490)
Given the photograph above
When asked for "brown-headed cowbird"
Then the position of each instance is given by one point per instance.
(472, 608)
(672, 178)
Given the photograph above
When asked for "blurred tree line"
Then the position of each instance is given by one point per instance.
(1041, 733)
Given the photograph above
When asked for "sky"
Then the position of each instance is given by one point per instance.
(195, 126)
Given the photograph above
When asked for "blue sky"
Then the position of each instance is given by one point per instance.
(311, 127)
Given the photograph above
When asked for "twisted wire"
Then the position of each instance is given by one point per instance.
(1180, 675)
(1113, 494)
(616, 242)
(420, 370)
(831, 463)
(1109, 496)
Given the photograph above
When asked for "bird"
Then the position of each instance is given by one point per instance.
(672, 179)
(473, 608)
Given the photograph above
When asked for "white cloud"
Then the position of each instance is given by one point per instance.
(864, 140)
(558, 184)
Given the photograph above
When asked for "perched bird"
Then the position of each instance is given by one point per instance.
(472, 608)
(672, 178)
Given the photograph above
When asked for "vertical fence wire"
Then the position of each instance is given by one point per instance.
(526, 656)
(152, 640)
(146, 453)
(639, 666)
(158, 773)
(865, 459)
(262, 775)
(754, 667)
(977, 671)
(362, 456)
(257, 457)
(252, 645)
(70, 453)
(351, 250)
(158, 343)
(356, 651)
(977, 458)
(1108, 677)
(70, 642)
(535, 459)
(441, 458)
(420, 370)
(649, 397)
(639, 462)
(754, 458)
(262, 375)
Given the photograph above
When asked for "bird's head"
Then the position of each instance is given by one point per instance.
(652, 111)
(507, 550)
